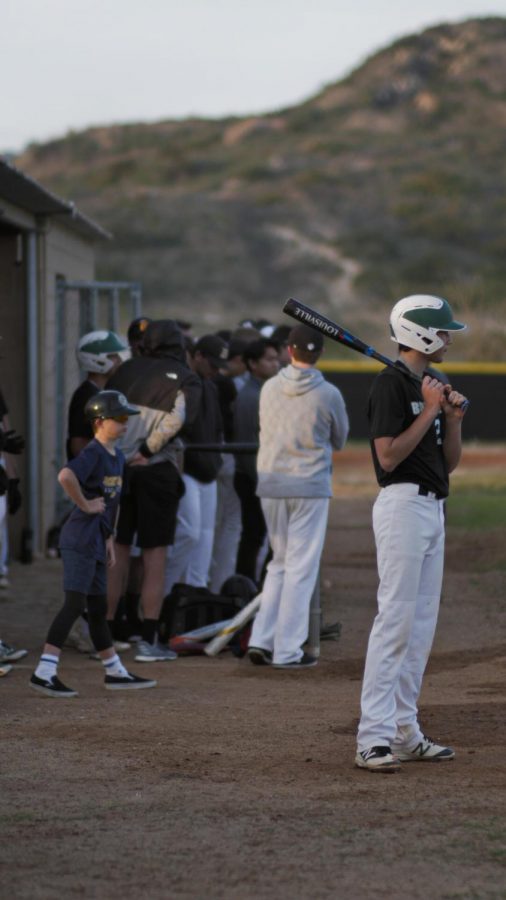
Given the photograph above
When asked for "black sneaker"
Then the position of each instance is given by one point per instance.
(377, 759)
(260, 657)
(127, 682)
(305, 662)
(52, 687)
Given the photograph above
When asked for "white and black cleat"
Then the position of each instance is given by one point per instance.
(377, 759)
(425, 751)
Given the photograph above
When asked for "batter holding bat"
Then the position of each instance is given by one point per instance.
(415, 430)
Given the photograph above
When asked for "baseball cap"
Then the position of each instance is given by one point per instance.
(214, 349)
(137, 328)
(302, 337)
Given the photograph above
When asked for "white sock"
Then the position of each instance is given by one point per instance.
(114, 666)
(47, 666)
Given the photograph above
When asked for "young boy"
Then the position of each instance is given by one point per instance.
(93, 481)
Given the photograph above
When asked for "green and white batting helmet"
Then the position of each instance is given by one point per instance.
(416, 320)
(95, 349)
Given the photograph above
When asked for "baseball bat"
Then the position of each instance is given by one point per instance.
(205, 632)
(327, 327)
(194, 641)
(335, 332)
(186, 645)
(227, 633)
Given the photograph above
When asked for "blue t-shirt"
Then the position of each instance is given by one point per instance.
(99, 475)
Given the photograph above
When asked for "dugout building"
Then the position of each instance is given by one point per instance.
(48, 298)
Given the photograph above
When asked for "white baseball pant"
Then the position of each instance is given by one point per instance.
(296, 528)
(409, 534)
(227, 531)
(188, 560)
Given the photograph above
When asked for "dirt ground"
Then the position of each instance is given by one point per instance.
(232, 781)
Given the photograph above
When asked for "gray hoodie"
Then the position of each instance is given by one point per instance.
(303, 419)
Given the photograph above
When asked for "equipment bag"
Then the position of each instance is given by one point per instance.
(187, 607)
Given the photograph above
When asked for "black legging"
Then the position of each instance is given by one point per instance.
(254, 528)
(74, 606)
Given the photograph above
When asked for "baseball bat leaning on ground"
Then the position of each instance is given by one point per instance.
(235, 624)
(335, 332)
(194, 641)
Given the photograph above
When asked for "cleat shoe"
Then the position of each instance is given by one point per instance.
(52, 687)
(153, 653)
(259, 657)
(127, 682)
(4, 670)
(9, 654)
(305, 662)
(377, 759)
(425, 751)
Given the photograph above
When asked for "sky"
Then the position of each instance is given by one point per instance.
(69, 64)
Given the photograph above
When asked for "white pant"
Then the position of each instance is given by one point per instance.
(296, 529)
(227, 532)
(189, 559)
(409, 533)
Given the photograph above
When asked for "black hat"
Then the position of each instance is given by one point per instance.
(302, 337)
(137, 328)
(162, 334)
(107, 405)
(214, 349)
(280, 334)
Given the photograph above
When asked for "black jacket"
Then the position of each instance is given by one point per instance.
(168, 395)
(207, 428)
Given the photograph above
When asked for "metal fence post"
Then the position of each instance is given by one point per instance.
(315, 618)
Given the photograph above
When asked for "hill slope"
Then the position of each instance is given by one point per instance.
(389, 182)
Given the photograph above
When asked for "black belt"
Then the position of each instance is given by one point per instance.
(424, 492)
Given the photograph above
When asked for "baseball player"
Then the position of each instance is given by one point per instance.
(415, 430)
(99, 355)
(135, 334)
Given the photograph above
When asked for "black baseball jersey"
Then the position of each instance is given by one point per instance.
(78, 424)
(394, 403)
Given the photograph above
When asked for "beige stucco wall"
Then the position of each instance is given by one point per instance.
(62, 254)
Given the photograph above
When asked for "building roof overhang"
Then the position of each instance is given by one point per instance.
(22, 191)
